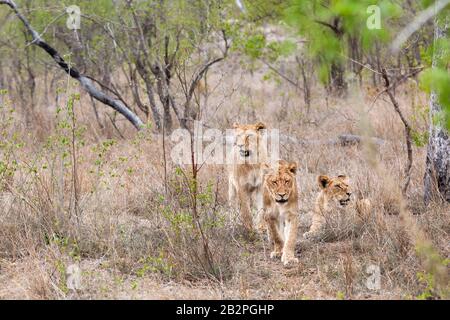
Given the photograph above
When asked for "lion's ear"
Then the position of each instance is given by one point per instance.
(235, 125)
(324, 181)
(344, 178)
(260, 126)
(293, 167)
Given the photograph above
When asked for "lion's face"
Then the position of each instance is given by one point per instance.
(280, 182)
(247, 139)
(336, 188)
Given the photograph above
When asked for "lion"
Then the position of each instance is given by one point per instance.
(335, 197)
(246, 175)
(280, 207)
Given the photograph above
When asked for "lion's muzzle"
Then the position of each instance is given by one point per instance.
(281, 198)
(344, 202)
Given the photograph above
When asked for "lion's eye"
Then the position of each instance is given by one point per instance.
(338, 186)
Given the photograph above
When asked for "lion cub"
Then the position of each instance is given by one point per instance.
(280, 198)
(246, 177)
(335, 195)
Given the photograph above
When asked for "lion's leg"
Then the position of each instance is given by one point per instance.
(291, 239)
(274, 235)
(363, 208)
(245, 210)
(260, 222)
(318, 222)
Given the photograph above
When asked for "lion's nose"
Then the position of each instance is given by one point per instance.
(349, 194)
(282, 195)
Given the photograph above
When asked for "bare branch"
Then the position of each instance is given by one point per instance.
(85, 81)
(334, 27)
(241, 6)
(417, 23)
(407, 130)
(199, 75)
(395, 84)
(282, 75)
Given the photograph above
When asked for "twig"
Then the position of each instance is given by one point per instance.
(113, 122)
(395, 84)
(366, 66)
(278, 72)
(407, 130)
(164, 154)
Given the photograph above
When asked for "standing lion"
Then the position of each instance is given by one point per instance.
(281, 209)
(246, 175)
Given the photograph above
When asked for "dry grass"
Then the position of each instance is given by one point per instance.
(131, 239)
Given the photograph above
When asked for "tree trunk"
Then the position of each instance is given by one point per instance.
(338, 83)
(437, 174)
(2, 72)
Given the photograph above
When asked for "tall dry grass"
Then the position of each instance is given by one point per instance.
(75, 194)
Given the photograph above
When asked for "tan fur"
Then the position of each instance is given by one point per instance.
(246, 175)
(335, 194)
(281, 217)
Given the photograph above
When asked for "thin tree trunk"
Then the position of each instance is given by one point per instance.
(338, 83)
(144, 73)
(407, 130)
(437, 172)
(2, 72)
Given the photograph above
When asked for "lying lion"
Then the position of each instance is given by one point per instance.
(335, 198)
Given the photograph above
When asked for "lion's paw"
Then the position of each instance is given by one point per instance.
(289, 260)
(275, 254)
(261, 228)
(309, 235)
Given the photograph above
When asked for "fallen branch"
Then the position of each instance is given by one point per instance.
(342, 140)
(85, 81)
